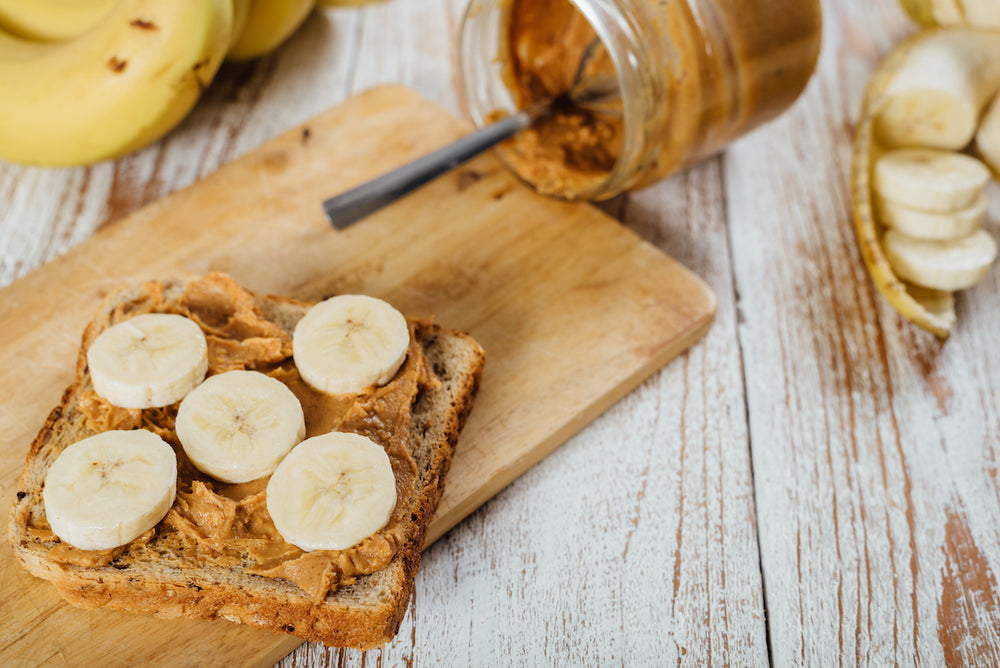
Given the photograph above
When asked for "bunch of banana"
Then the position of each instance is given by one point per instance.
(88, 80)
(918, 193)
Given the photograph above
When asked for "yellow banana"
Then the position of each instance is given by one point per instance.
(241, 9)
(51, 20)
(119, 86)
(268, 24)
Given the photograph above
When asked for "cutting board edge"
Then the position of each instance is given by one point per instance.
(63, 266)
(442, 524)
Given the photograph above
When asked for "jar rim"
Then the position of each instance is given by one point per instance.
(621, 39)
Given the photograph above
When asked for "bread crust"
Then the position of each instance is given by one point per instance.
(362, 615)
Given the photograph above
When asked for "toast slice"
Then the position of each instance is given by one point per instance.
(147, 578)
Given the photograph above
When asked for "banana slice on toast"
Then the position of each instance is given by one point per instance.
(109, 489)
(331, 492)
(148, 361)
(237, 426)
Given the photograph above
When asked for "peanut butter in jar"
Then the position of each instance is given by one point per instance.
(675, 81)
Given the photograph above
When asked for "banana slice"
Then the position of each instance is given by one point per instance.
(930, 180)
(148, 361)
(947, 12)
(929, 225)
(982, 13)
(988, 137)
(349, 343)
(331, 492)
(935, 97)
(941, 265)
(237, 426)
(111, 488)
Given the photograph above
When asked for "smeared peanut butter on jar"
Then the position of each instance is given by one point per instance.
(228, 524)
(574, 146)
(693, 76)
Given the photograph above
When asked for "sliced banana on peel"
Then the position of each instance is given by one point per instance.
(349, 343)
(930, 180)
(941, 265)
(926, 94)
(148, 361)
(331, 492)
(237, 426)
(988, 136)
(109, 489)
(981, 13)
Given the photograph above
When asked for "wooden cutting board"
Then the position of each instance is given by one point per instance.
(572, 309)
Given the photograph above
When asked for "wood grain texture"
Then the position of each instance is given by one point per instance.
(874, 448)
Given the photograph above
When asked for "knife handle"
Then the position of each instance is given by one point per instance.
(348, 207)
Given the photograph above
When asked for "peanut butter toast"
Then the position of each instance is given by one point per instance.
(216, 553)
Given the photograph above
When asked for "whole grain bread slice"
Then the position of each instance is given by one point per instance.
(363, 615)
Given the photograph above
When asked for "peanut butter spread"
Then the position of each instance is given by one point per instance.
(721, 68)
(228, 524)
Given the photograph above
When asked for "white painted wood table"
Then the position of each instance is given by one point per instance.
(815, 482)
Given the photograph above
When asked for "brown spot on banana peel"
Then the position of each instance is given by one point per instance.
(116, 64)
(194, 72)
(143, 24)
(196, 69)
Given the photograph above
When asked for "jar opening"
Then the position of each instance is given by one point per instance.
(575, 54)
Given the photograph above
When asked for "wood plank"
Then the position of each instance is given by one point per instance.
(874, 448)
(557, 293)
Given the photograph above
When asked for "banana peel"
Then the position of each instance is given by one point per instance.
(267, 24)
(51, 20)
(66, 102)
(120, 86)
(928, 309)
(921, 11)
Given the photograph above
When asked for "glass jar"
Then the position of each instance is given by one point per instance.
(688, 76)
